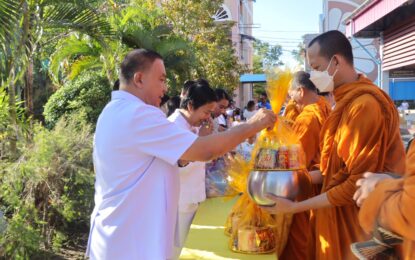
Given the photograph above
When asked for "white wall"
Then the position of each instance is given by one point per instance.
(335, 11)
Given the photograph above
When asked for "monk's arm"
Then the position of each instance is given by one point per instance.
(392, 202)
(316, 202)
(391, 205)
(287, 206)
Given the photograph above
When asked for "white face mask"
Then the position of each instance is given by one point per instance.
(322, 79)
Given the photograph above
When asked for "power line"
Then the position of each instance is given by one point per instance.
(285, 31)
(278, 38)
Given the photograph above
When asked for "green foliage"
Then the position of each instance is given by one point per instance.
(6, 128)
(8, 19)
(4, 113)
(215, 57)
(72, 55)
(266, 56)
(299, 54)
(192, 44)
(47, 194)
(86, 95)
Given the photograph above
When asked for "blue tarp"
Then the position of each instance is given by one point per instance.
(402, 90)
(252, 78)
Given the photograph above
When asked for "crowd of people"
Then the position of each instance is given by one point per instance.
(150, 162)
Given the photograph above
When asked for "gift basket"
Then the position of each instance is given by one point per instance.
(216, 178)
(276, 160)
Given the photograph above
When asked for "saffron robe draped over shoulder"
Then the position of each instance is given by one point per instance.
(361, 134)
(307, 127)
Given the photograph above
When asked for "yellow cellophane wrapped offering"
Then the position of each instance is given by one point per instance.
(252, 229)
(238, 172)
(278, 148)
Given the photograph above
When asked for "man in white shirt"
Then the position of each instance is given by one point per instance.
(136, 152)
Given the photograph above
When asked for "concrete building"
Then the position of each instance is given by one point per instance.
(240, 12)
(392, 23)
(365, 51)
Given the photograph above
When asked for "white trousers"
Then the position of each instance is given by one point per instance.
(185, 218)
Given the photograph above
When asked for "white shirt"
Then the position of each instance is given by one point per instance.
(220, 120)
(248, 114)
(136, 150)
(192, 177)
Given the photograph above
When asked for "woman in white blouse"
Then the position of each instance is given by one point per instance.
(193, 115)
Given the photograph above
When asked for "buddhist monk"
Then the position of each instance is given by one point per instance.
(389, 203)
(361, 134)
(307, 126)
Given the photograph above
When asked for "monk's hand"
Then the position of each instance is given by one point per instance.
(281, 205)
(366, 185)
(316, 177)
(264, 118)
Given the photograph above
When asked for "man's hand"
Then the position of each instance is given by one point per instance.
(366, 185)
(263, 119)
(281, 205)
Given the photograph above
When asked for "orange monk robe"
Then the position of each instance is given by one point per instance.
(307, 126)
(361, 134)
(291, 110)
(392, 204)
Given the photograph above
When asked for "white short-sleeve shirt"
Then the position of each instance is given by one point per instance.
(192, 176)
(136, 150)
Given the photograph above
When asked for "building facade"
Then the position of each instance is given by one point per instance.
(241, 13)
(392, 22)
(365, 51)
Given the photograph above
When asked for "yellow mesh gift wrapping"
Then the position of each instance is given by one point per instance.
(252, 229)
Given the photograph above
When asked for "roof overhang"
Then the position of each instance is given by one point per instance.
(375, 16)
(253, 78)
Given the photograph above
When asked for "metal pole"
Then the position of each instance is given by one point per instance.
(380, 73)
(377, 61)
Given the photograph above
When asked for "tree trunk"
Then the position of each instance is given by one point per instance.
(12, 129)
(28, 90)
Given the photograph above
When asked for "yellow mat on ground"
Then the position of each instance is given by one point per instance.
(206, 239)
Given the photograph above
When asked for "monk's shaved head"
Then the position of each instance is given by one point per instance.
(332, 43)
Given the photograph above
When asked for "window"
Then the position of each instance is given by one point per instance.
(223, 14)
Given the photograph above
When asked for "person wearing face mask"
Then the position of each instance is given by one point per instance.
(193, 115)
(361, 134)
(307, 127)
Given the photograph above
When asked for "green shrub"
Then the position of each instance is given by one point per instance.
(89, 93)
(7, 130)
(47, 195)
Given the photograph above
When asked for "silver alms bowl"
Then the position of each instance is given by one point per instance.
(283, 184)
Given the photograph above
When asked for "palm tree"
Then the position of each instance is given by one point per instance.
(78, 52)
(24, 25)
